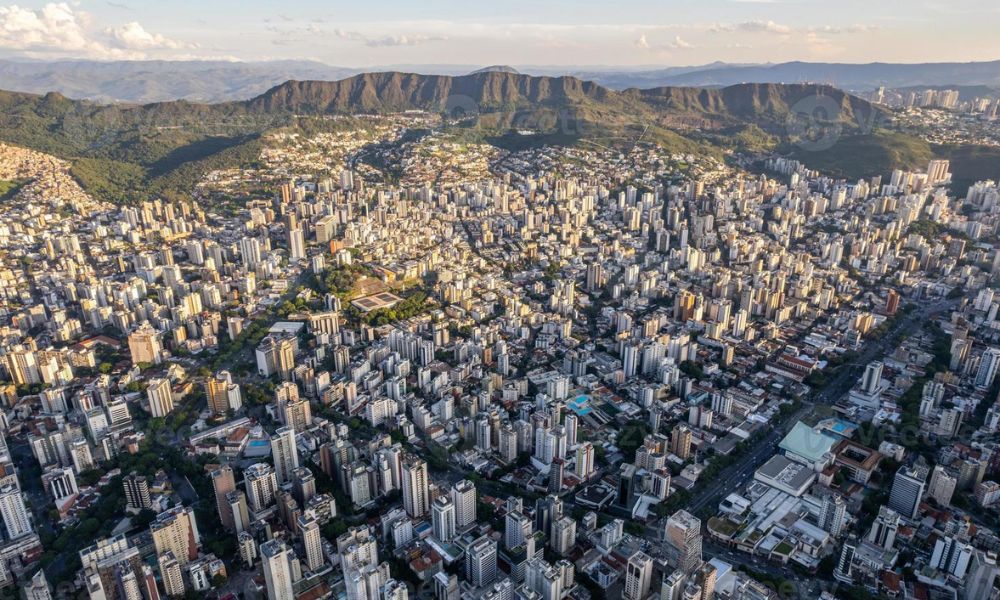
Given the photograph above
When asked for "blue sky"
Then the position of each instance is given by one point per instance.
(517, 32)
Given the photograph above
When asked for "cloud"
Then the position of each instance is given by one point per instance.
(763, 27)
(831, 29)
(59, 29)
(133, 36)
(677, 43)
(389, 40)
(55, 26)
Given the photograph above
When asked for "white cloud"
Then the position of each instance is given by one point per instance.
(388, 40)
(54, 26)
(60, 29)
(679, 43)
(133, 36)
(764, 27)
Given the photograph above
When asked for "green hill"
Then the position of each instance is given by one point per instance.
(131, 152)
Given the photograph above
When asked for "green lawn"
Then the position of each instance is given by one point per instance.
(8, 189)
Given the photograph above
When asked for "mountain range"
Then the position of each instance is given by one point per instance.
(124, 152)
(220, 81)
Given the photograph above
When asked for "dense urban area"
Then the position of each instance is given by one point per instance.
(385, 362)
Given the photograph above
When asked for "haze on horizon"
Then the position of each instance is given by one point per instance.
(516, 32)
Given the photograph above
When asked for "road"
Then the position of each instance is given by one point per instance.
(841, 383)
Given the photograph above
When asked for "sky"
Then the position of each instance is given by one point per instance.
(514, 32)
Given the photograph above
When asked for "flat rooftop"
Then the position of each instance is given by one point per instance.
(376, 301)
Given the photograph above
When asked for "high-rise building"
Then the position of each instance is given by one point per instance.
(872, 377)
(285, 453)
(127, 582)
(312, 541)
(144, 345)
(237, 501)
(443, 518)
(638, 574)
(446, 587)
(136, 491)
(223, 395)
(160, 396)
(563, 535)
(416, 494)
(981, 576)
(988, 365)
(276, 558)
(261, 486)
(298, 414)
(171, 575)
(248, 547)
(938, 171)
(150, 591)
(38, 587)
(682, 534)
(463, 496)
(367, 582)
(14, 514)
(276, 355)
(544, 579)
(481, 562)
(952, 556)
(176, 531)
(884, 528)
(942, 485)
(832, 513)
(907, 489)
(223, 482)
(584, 467)
(680, 442)
(296, 243)
(60, 482)
(556, 472)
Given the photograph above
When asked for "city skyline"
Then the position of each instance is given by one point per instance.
(630, 34)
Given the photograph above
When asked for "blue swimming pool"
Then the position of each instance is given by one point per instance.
(579, 405)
